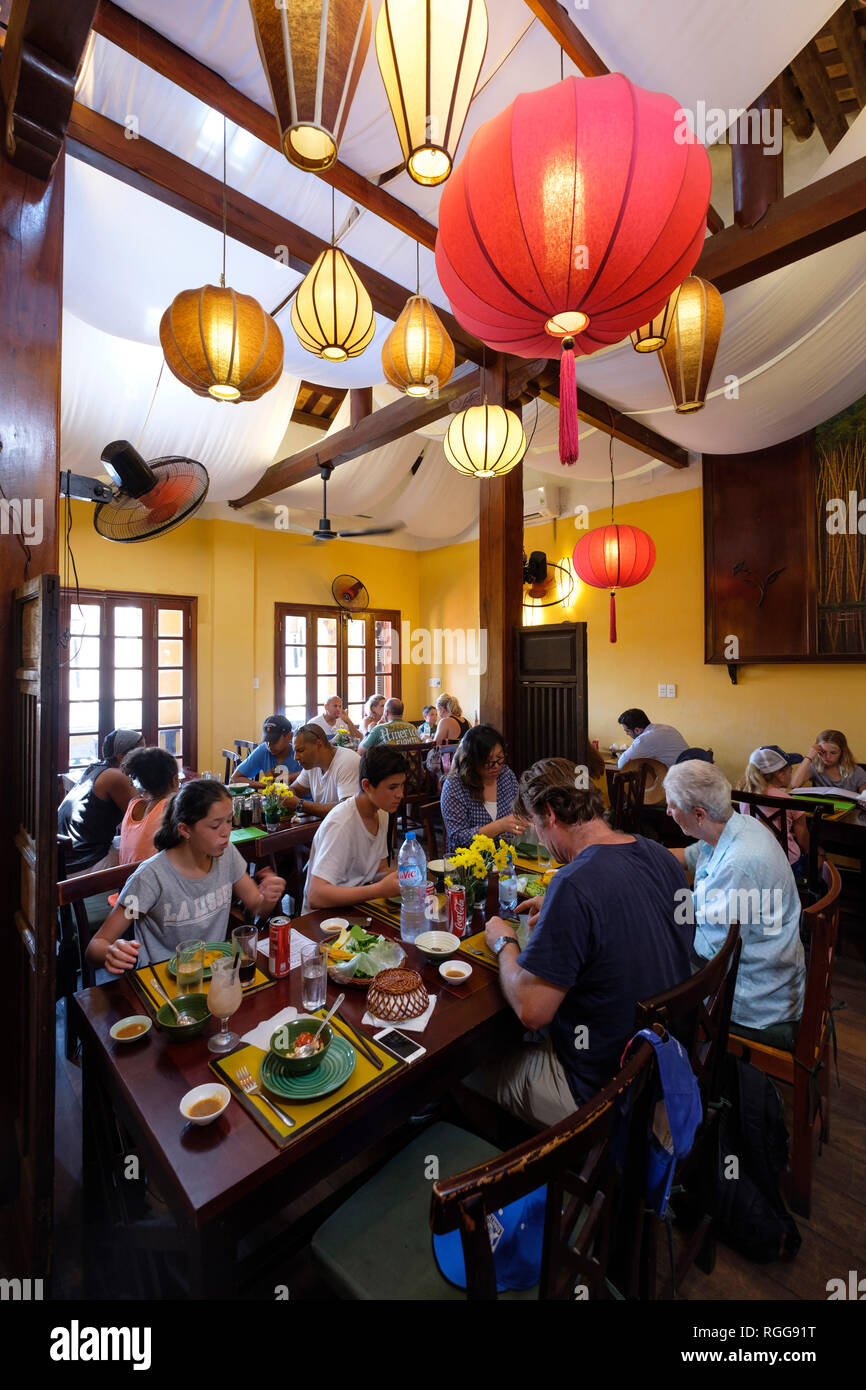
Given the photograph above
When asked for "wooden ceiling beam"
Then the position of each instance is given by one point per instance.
(820, 215)
(142, 164)
(159, 53)
(42, 48)
(811, 77)
(794, 109)
(850, 46)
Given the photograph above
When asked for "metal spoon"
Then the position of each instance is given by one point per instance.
(307, 1049)
(181, 1018)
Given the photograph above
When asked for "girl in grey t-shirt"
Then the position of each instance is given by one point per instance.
(186, 889)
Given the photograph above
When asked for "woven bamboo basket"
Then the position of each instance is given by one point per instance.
(397, 995)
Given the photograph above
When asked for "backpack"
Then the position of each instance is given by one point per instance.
(751, 1213)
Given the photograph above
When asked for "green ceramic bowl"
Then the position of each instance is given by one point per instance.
(283, 1041)
(193, 1004)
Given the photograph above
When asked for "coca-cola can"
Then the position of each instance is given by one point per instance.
(278, 947)
(457, 910)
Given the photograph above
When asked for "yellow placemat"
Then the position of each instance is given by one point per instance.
(383, 911)
(304, 1112)
(142, 979)
(477, 946)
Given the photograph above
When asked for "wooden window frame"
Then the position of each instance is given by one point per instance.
(109, 600)
(312, 611)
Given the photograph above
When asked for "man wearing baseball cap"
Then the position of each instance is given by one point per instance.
(90, 814)
(274, 754)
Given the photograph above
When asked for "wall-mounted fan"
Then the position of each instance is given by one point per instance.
(540, 578)
(324, 530)
(148, 499)
(350, 593)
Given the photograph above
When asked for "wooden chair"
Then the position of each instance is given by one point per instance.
(626, 800)
(430, 815)
(807, 1067)
(418, 788)
(698, 1014)
(75, 892)
(656, 772)
(772, 811)
(231, 760)
(377, 1245)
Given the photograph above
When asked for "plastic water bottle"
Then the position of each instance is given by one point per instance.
(412, 877)
(509, 889)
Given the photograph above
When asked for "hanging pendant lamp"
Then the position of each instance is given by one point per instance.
(614, 557)
(418, 355)
(221, 343)
(312, 52)
(332, 313)
(688, 356)
(570, 221)
(653, 335)
(485, 441)
(430, 54)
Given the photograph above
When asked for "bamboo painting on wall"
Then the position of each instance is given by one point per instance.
(840, 447)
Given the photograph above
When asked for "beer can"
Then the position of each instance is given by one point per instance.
(278, 947)
(457, 910)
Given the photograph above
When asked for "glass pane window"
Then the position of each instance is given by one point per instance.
(357, 661)
(170, 740)
(127, 651)
(327, 632)
(355, 712)
(84, 685)
(127, 685)
(356, 635)
(170, 622)
(383, 634)
(83, 716)
(383, 660)
(296, 661)
(83, 750)
(127, 621)
(127, 714)
(84, 652)
(327, 686)
(327, 659)
(170, 653)
(356, 691)
(169, 682)
(170, 712)
(296, 691)
(296, 630)
(85, 619)
(296, 715)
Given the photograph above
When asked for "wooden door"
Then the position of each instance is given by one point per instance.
(550, 691)
(34, 739)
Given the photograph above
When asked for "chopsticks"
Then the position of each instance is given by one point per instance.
(358, 1041)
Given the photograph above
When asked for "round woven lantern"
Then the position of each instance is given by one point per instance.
(688, 356)
(485, 441)
(397, 995)
(332, 313)
(614, 557)
(418, 355)
(220, 343)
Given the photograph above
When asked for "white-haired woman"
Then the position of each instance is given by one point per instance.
(741, 874)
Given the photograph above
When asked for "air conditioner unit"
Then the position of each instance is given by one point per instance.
(540, 504)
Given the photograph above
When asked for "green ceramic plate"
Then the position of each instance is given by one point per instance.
(336, 1067)
(224, 947)
(395, 899)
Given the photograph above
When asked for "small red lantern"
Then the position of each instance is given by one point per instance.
(572, 218)
(614, 557)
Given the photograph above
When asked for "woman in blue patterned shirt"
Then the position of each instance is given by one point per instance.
(478, 793)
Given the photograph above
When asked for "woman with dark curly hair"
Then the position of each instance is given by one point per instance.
(478, 793)
(155, 771)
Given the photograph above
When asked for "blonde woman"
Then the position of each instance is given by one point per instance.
(372, 713)
(830, 763)
(452, 726)
(768, 773)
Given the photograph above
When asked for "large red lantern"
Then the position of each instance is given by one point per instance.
(573, 217)
(614, 557)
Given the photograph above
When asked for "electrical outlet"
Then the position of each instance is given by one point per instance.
(663, 690)
(436, 681)
(672, 692)
(255, 682)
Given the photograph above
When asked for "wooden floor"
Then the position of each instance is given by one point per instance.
(834, 1239)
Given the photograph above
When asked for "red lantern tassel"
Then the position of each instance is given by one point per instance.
(569, 447)
(613, 615)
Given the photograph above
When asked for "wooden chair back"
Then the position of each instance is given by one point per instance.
(231, 762)
(72, 892)
(627, 794)
(820, 929)
(772, 811)
(243, 748)
(656, 772)
(573, 1158)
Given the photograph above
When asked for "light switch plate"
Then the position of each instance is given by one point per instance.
(255, 682)
(663, 690)
(672, 692)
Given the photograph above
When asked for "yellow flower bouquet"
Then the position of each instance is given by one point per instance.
(278, 800)
(469, 867)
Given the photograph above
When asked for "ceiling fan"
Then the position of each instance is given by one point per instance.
(325, 532)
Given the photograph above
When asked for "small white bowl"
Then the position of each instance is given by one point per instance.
(332, 926)
(125, 1022)
(436, 945)
(220, 1093)
(462, 965)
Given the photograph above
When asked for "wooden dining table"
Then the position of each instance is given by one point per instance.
(221, 1180)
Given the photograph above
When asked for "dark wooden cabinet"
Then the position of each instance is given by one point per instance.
(550, 693)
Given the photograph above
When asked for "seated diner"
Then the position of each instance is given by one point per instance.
(393, 728)
(479, 790)
(328, 773)
(92, 810)
(154, 770)
(334, 720)
(830, 763)
(661, 742)
(768, 773)
(349, 859)
(273, 755)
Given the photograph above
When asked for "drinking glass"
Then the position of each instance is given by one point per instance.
(225, 997)
(245, 941)
(190, 967)
(314, 979)
(545, 858)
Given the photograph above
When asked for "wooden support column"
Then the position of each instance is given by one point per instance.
(360, 404)
(757, 172)
(500, 560)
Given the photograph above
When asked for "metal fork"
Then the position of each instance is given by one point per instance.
(252, 1088)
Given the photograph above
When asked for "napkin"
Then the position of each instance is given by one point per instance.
(261, 1035)
(298, 944)
(406, 1025)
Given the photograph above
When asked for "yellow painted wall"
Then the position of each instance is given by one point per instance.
(238, 573)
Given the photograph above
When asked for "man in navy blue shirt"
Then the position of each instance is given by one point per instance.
(273, 755)
(605, 935)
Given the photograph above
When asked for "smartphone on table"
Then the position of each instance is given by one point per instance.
(407, 1049)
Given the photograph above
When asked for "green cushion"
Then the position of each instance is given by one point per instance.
(378, 1245)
